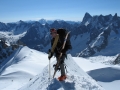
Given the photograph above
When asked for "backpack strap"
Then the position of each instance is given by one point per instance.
(55, 43)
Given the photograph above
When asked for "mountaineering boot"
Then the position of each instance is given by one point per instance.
(62, 77)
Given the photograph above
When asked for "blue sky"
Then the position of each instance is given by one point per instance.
(15, 10)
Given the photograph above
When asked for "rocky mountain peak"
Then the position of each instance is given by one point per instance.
(87, 15)
(86, 18)
(115, 17)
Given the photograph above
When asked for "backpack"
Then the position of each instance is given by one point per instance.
(62, 33)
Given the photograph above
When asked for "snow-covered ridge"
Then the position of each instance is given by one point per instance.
(28, 68)
(21, 67)
(77, 79)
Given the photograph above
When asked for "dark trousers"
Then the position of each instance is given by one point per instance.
(61, 63)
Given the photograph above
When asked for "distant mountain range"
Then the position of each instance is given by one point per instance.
(95, 35)
(104, 35)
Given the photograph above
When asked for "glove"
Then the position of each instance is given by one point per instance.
(50, 55)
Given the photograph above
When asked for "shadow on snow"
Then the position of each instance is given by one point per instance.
(108, 74)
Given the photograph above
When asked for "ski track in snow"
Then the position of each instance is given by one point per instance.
(75, 80)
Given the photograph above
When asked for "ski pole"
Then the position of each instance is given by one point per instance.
(49, 70)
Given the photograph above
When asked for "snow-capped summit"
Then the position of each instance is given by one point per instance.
(86, 19)
(104, 32)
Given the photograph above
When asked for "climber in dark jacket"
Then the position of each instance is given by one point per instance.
(58, 49)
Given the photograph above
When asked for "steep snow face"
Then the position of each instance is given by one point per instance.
(24, 56)
(98, 41)
(77, 79)
(113, 43)
(21, 67)
(79, 42)
(107, 43)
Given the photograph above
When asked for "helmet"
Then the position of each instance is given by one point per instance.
(53, 30)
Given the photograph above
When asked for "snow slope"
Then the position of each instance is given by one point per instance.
(27, 69)
(25, 64)
(78, 46)
(77, 79)
(102, 70)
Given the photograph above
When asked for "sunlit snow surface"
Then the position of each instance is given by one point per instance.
(77, 79)
(28, 70)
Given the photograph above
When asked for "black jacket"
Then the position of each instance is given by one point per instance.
(60, 44)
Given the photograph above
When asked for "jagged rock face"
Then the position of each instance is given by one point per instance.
(16, 28)
(102, 29)
(5, 51)
(100, 43)
(36, 36)
(96, 35)
(117, 60)
(37, 32)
